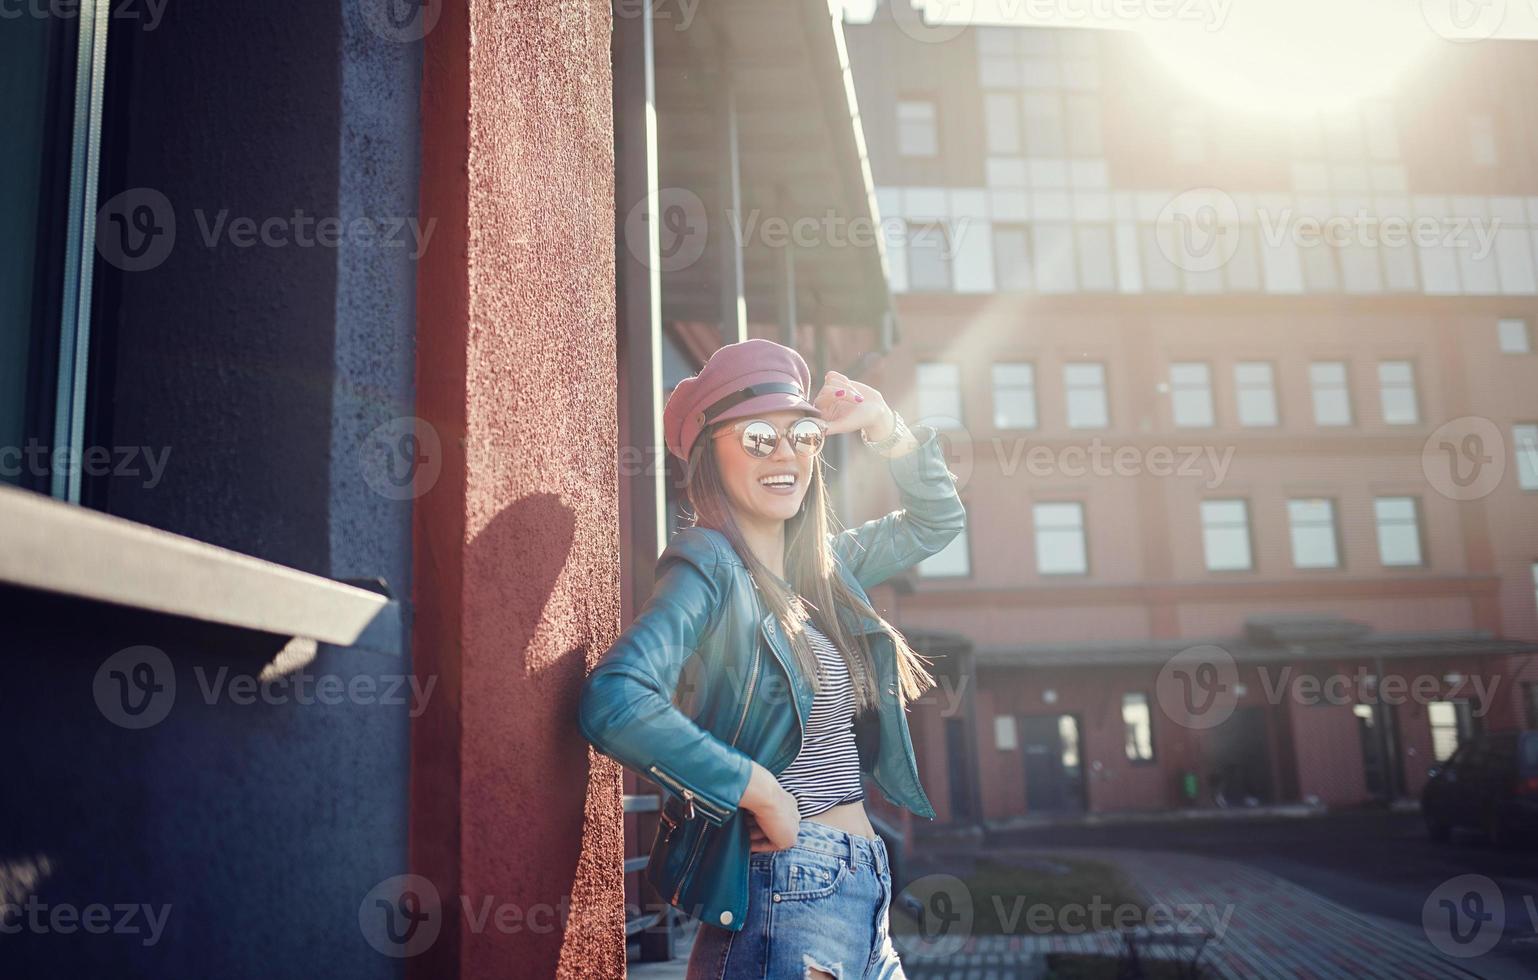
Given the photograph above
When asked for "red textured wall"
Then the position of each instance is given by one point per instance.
(517, 564)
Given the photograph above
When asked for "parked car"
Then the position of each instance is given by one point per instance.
(1489, 784)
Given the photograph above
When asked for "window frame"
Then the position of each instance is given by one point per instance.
(1416, 524)
(1207, 527)
(1293, 527)
(1083, 533)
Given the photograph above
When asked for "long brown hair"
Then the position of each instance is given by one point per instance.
(815, 587)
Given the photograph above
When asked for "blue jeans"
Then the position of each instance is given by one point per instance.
(820, 903)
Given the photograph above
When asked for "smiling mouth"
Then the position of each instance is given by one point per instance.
(783, 484)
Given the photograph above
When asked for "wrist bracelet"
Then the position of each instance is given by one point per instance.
(899, 429)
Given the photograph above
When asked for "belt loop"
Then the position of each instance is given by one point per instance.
(853, 851)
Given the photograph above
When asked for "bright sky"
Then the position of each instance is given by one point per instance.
(1279, 56)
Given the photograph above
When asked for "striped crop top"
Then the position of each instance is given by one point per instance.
(826, 772)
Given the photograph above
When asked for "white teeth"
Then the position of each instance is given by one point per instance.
(787, 480)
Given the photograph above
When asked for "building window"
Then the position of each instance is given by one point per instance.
(1312, 525)
(917, 134)
(1014, 396)
(1450, 725)
(1085, 385)
(1060, 539)
(1396, 387)
(929, 258)
(1012, 258)
(1004, 732)
(952, 561)
(1001, 116)
(1482, 141)
(1332, 397)
(1524, 442)
(939, 394)
(1226, 535)
(1045, 134)
(1191, 394)
(1255, 383)
(1399, 533)
(1137, 724)
(1515, 337)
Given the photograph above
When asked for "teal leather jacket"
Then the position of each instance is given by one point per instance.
(745, 697)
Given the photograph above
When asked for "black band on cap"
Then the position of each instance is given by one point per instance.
(743, 394)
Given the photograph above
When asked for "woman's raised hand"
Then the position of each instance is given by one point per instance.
(849, 406)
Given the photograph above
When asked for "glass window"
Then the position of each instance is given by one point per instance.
(1137, 725)
(1084, 134)
(951, 561)
(1014, 396)
(929, 258)
(917, 128)
(1312, 526)
(1514, 336)
(1097, 267)
(1332, 397)
(1085, 385)
(1001, 113)
(1399, 533)
(1004, 732)
(1053, 250)
(38, 264)
(1191, 394)
(1255, 388)
(1060, 539)
(1044, 131)
(939, 393)
(1226, 535)
(1524, 442)
(1396, 387)
(1446, 728)
(1012, 258)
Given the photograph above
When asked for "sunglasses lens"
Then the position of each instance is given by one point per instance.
(806, 436)
(759, 439)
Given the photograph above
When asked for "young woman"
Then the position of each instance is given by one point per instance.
(798, 689)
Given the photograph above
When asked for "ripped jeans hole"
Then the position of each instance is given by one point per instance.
(817, 971)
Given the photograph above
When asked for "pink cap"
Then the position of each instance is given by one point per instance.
(740, 380)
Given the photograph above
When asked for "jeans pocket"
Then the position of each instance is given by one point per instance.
(802, 874)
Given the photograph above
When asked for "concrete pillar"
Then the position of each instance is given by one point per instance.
(516, 557)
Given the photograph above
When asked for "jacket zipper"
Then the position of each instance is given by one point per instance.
(746, 701)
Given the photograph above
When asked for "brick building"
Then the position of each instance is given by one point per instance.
(1249, 517)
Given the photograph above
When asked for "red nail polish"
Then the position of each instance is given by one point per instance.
(859, 398)
(839, 393)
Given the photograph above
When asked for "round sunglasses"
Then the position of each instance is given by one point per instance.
(807, 436)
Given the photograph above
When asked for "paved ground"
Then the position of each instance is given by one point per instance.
(1336, 896)
(1375, 864)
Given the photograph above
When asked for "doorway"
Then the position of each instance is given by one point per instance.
(1054, 772)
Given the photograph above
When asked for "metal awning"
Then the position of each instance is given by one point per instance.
(777, 73)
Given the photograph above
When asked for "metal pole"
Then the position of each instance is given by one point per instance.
(734, 307)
